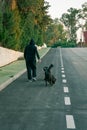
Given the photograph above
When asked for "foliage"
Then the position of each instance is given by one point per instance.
(1, 22)
(70, 20)
(28, 30)
(84, 14)
(55, 32)
(23, 20)
(11, 27)
(64, 44)
(34, 20)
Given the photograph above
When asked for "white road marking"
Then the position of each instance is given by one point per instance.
(69, 118)
(62, 68)
(67, 100)
(70, 122)
(63, 75)
(64, 81)
(61, 59)
(62, 71)
(66, 90)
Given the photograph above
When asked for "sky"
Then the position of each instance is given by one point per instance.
(58, 7)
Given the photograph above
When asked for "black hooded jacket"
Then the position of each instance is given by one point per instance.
(31, 52)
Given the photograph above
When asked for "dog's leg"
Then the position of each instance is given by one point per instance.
(46, 83)
(51, 82)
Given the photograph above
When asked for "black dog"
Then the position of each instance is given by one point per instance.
(48, 76)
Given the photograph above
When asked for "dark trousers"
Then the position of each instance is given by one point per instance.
(31, 69)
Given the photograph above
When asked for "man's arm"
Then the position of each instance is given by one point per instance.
(38, 56)
(25, 53)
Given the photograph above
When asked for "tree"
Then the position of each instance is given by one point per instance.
(22, 20)
(1, 21)
(55, 32)
(70, 20)
(28, 30)
(42, 20)
(11, 25)
(84, 14)
(34, 20)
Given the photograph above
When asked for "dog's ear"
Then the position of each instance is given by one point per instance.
(44, 68)
(50, 66)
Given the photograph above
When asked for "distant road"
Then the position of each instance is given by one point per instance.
(63, 106)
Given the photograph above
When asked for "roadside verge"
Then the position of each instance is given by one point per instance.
(11, 72)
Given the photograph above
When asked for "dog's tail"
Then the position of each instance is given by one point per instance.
(50, 66)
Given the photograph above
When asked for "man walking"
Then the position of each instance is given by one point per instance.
(30, 54)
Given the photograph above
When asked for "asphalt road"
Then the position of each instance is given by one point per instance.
(63, 106)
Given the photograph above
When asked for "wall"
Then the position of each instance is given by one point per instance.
(7, 56)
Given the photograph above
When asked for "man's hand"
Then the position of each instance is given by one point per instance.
(39, 60)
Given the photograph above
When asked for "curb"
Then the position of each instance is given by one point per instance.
(2, 86)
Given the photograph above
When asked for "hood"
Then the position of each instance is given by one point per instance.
(32, 42)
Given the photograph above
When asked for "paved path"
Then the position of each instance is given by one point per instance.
(33, 106)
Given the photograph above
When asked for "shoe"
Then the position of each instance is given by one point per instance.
(29, 80)
(34, 79)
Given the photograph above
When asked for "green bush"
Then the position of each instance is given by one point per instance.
(64, 44)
